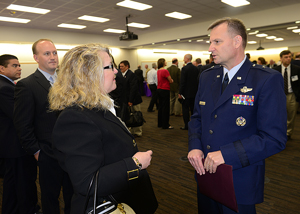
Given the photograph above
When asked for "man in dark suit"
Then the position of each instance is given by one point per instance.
(19, 188)
(175, 106)
(291, 75)
(198, 64)
(34, 124)
(188, 89)
(139, 73)
(132, 95)
(297, 59)
(239, 122)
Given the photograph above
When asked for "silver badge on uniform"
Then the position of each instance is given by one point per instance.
(240, 121)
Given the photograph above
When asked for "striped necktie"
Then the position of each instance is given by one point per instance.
(225, 82)
(285, 78)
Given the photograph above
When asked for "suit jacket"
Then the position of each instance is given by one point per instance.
(33, 121)
(87, 140)
(175, 75)
(188, 81)
(295, 79)
(132, 89)
(245, 134)
(10, 146)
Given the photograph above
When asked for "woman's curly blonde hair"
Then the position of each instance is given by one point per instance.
(80, 80)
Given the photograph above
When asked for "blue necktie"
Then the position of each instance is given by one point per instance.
(225, 82)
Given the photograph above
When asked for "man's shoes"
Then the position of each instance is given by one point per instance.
(170, 127)
(183, 128)
(150, 110)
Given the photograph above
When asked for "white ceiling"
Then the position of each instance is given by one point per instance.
(67, 11)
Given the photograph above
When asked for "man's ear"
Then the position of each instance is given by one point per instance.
(1, 69)
(238, 41)
(35, 58)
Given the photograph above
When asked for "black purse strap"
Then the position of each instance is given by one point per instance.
(87, 198)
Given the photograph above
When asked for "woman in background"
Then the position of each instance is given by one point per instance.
(88, 136)
(163, 92)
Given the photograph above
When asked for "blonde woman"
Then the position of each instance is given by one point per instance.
(88, 136)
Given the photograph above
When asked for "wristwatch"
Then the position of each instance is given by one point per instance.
(138, 164)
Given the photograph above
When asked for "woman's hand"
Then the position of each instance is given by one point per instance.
(144, 158)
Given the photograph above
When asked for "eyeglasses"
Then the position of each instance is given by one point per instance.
(111, 66)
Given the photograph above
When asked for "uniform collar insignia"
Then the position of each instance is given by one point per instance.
(245, 89)
(218, 76)
(239, 78)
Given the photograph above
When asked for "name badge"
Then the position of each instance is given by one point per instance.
(294, 78)
(202, 103)
(239, 99)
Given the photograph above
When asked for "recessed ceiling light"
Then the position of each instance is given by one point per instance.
(177, 15)
(279, 39)
(190, 40)
(93, 18)
(207, 41)
(109, 30)
(178, 40)
(153, 43)
(17, 20)
(199, 40)
(291, 28)
(252, 42)
(71, 26)
(261, 35)
(138, 25)
(134, 5)
(254, 32)
(296, 31)
(236, 3)
(248, 29)
(297, 22)
(271, 37)
(27, 9)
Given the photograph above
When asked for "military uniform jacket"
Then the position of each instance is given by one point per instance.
(245, 131)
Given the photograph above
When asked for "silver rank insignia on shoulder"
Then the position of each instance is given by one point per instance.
(245, 89)
(239, 78)
(218, 76)
(240, 121)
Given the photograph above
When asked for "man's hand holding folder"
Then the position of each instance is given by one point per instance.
(218, 183)
(212, 161)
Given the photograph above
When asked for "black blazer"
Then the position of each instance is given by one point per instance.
(188, 82)
(33, 121)
(10, 146)
(132, 88)
(295, 73)
(86, 140)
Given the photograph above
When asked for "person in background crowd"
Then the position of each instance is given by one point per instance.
(198, 64)
(188, 89)
(152, 81)
(175, 106)
(139, 73)
(146, 73)
(291, 76)
(34, 124)
(272, 64)
(163, 91)
(261, 61)
(223, 129)
(132, 96)
(19, 188)
(88, 136)
(297, 59)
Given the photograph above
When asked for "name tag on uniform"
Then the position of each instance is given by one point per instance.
(294, 78)
(239, 99)
(202, 103)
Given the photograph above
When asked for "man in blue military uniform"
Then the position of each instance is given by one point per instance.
(239, 118)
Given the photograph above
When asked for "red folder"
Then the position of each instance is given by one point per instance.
(219, 186)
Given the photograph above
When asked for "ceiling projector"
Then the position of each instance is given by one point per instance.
(128, 36)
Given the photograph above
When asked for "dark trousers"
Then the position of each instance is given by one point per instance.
(19, 188)
(164, 108)
(52, 178)
(187, 107)
(153, 101)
